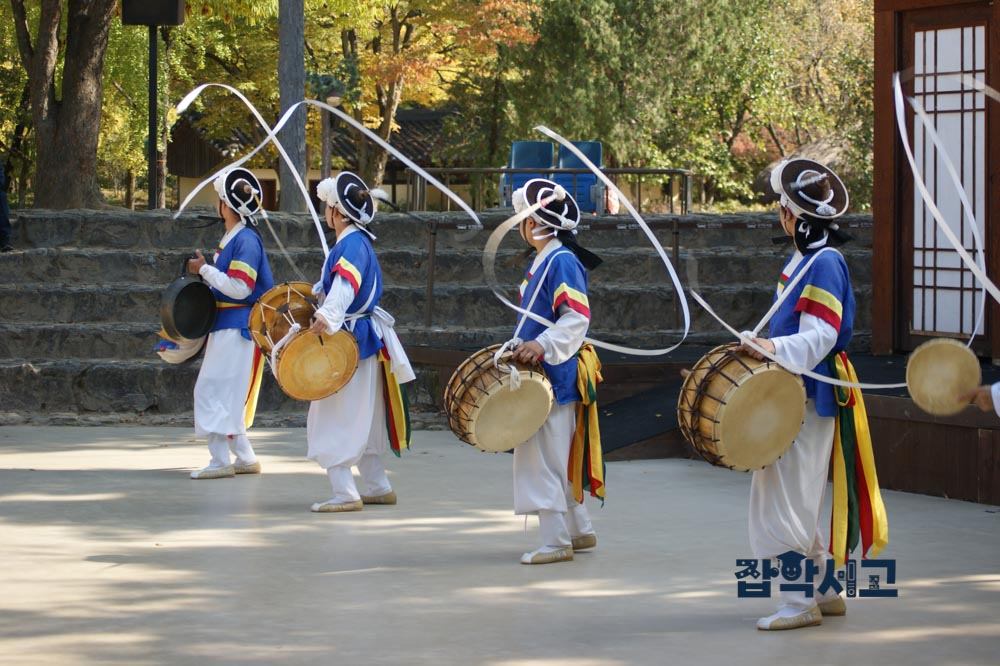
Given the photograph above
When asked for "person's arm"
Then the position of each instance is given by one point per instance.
(560, 343)
(233, 287)
(807, 348)
(329, 318)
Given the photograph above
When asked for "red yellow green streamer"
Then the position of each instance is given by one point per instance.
(858, 512)
(586, 459)
(250, 404)
(397, 412)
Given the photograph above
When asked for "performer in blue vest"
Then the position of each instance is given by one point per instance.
(564, 456)
(367, 417)
(225, 395)
(811, 330)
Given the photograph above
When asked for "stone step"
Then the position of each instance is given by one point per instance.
(145, 230)
(402, 266)
(632, 307)
(40, 341)
(152, 391)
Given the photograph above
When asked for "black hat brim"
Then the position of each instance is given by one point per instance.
(538, 189)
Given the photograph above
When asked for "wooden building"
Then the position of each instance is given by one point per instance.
(921, 289)
(192, 157)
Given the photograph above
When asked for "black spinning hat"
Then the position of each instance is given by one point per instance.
(241, 190)
(809, 188)
(351, 194)
(560, 213)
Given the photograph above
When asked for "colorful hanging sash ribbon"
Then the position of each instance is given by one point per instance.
(250, 404)
(858, 512)
(586, 459)
(397, 412)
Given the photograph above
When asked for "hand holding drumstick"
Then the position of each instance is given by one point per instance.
(760, 342)
(318, 325)
(195, 263)
(529, 352)
(981, 397)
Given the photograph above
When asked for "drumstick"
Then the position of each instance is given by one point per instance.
(685, 372)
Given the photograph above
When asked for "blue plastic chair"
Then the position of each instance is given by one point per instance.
(524, 155)
(586, 188)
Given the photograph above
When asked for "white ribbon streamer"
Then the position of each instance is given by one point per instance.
(493, 244)
(787, 291)
(400, 156)
(271, 136)
(979, 270)
(791, 367)
(678, 289)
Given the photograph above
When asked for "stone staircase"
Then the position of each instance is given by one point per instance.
(80, 298)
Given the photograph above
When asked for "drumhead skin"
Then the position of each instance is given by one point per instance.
(940, 370)
(739, 412)
(761, 418)
(484, 412)
(312, 367)
(277, 309)
(504, 419)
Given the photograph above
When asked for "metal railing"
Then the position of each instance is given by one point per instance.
(481, 178)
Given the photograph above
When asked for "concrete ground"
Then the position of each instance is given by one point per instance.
(110, 554)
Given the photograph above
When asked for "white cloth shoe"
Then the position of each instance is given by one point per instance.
(584, 541)
(548, 555)
(789, 617)
(387, 498)
(252, 468)
(330, 506)
(835, 607)
(214, 472)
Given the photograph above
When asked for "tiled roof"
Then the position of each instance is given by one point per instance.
(420, 136)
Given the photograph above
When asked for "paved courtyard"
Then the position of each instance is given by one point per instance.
(109, 554)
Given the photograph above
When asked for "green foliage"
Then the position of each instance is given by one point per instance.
(16, 142)
(125, 108)
(722, 87)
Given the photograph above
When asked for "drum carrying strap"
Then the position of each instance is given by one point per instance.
(292, 330)
(362, 312)
(586, 459)
(858, 511)
(516, 341)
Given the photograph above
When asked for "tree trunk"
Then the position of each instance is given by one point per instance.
(388, 103)
(130, 189)
(66, 129)
(167, 36)
(363, 150)
(292, 86)
(325, 156)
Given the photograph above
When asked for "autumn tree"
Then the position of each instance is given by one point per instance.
(416, 46)
(16, 144)
(65, 103)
